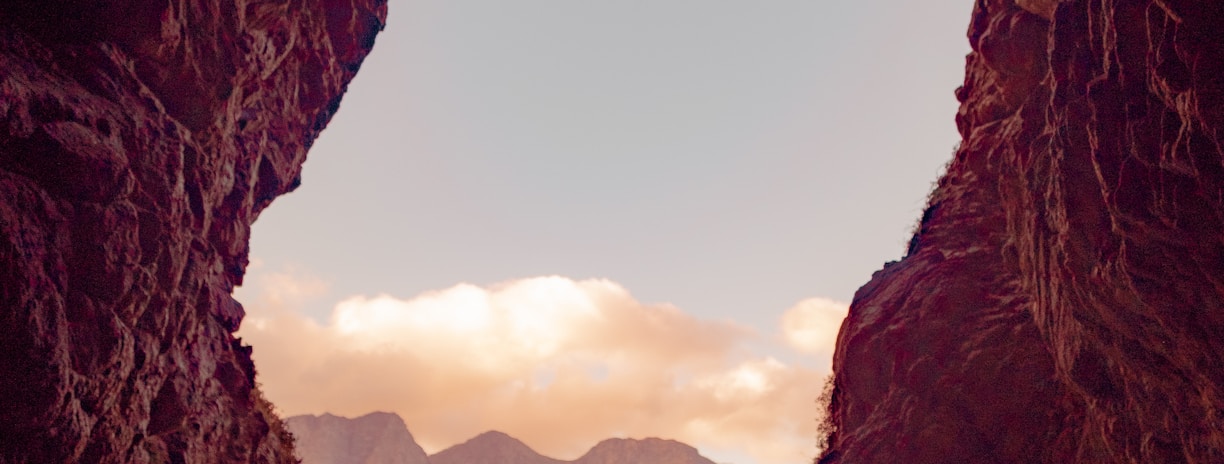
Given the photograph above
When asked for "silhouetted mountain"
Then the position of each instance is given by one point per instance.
(645, 451)
(382, 438)
(375, 438)
(499, 448)
(491, 448)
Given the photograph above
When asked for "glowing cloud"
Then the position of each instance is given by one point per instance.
(811, 325)
(558, 363)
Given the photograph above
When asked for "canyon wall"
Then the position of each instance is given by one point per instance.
(1063, 300)
(139, 139)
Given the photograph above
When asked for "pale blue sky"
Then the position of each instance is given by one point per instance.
(729, 157)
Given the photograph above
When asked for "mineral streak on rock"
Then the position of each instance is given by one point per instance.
(1063, 300)
(139, 139)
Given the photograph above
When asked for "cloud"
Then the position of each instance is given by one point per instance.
(555, 362)
(811, 326)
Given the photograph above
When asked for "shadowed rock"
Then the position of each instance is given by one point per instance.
(1063, 300)
(139, 139)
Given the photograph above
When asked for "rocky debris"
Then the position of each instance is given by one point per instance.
(1063, 300)
(375, 438)
(139, 139)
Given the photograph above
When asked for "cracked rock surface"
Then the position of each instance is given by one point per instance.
(1063, 300)
(139, 139)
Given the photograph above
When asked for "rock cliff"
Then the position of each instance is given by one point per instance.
(1063, 300)
(138, 141)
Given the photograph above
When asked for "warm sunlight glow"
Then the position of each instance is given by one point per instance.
(812, 325)
(556, 362)
(751, 379)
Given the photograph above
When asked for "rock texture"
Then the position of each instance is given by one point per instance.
(375, 438)
(1063, 300)
(138, 141)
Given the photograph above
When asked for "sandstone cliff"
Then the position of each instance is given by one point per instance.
(1063, 300)
(138, 141)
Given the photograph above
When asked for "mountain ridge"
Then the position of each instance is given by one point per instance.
(329, 439)
(374, 438)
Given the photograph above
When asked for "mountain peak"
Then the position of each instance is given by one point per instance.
(375, 438)
(382, 438)
(644, 451)
(491, 447)
(494, 435)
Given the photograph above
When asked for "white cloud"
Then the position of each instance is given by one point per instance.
(558, 363)
(811, 325)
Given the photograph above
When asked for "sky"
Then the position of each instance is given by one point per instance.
(569, 220)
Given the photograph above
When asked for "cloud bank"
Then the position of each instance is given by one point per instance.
(555, 362)
(811, 325)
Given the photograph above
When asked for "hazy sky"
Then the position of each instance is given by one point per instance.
(710, 164)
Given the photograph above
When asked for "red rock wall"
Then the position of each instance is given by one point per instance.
(1063, 301)
(139, 139)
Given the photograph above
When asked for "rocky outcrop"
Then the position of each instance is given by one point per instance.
(1063, 300)
(138, 141)
(375, 438)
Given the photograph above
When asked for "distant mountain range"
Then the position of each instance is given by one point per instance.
(382, 438)
(375, 438)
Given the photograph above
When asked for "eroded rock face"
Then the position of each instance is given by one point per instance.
(1063, 301)
(138, 141)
